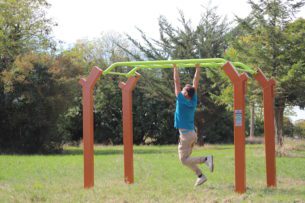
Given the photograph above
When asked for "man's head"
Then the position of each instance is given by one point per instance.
(188, 91)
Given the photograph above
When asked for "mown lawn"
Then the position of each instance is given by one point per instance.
(159, 176)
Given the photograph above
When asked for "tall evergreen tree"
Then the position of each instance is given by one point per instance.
(266, 39)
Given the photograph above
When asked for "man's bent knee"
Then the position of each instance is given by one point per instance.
(183, 160)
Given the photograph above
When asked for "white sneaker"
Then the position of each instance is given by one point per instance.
(201, 180)
(210, 163)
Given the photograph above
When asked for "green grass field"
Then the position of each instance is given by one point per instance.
(159, 176)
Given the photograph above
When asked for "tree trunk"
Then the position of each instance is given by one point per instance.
(252, 117)
(279, 118)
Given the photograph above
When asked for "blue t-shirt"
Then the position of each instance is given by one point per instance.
(185, 112)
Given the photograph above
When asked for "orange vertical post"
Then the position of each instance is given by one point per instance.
(269, 128)
(88, 131)
(127, 89)
(239, 82)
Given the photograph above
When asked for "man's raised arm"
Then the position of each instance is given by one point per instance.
(177, 81)
(196, 77)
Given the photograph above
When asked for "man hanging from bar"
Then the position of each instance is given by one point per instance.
(186, 103)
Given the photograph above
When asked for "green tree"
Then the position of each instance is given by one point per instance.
(267, 39)
(300, 128)
(24, 27)
(24, 30)
(289, 128)
(34, 100)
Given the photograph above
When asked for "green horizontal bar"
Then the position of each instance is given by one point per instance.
(244, 67)
(208, 65)
(182, 65)
(117, 73)
(165, 62)
(187, 63)
(240, 69)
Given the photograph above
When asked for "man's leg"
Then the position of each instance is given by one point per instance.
(186, 144)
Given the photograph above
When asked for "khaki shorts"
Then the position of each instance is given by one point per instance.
(187, 140)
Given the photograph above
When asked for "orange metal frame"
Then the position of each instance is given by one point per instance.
(239, 82)
(268, 97)
(88, 131)
(127, 89)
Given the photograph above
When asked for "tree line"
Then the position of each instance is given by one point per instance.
(40, 101)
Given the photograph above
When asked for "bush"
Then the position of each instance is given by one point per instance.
(300, 129)
(34, 100)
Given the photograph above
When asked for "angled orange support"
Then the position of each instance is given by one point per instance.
(239, 82)
(127, 89)
(88, 131)
(268, 96)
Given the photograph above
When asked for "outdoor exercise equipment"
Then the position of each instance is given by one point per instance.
(239, 81)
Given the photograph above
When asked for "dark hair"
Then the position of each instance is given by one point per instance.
(190, 90)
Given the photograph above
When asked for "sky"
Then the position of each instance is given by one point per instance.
(87, 19)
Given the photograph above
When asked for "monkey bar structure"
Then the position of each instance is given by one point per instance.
(238, 75)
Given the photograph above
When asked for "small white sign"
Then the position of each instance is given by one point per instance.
(238, 116)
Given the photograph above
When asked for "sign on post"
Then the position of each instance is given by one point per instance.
(238, 115)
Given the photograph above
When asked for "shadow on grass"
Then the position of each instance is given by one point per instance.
(119, 151)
